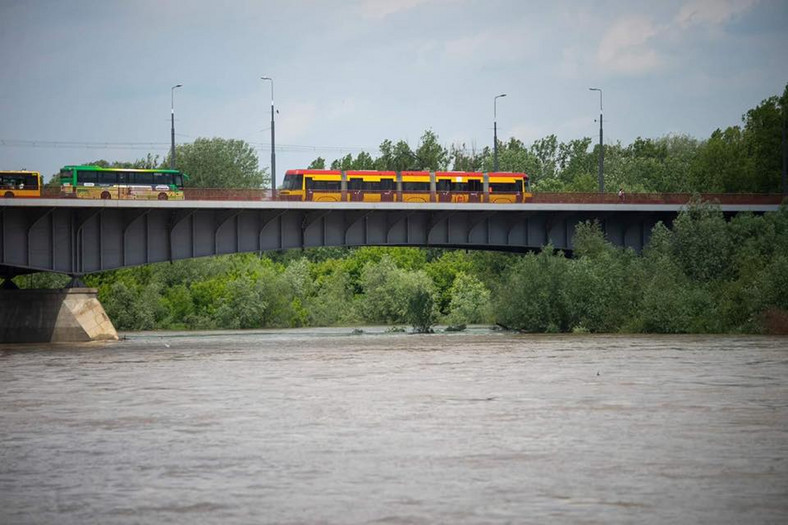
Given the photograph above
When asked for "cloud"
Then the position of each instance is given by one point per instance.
(383, 8)
(525, 132)
(711, 12)
(498, 45)
(629, 45)
(300, 120)
(625, 47)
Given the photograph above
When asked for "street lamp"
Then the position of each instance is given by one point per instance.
(601, 146)
(495, 130)
(273, 138)
(172, 128)
(785, 150)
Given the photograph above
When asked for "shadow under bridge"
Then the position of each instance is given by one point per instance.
(78, 237)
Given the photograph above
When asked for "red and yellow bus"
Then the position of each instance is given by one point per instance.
(20, 184)
(405, 186)
(95, 182)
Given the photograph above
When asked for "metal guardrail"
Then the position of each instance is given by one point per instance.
(657, 198)
(242, 194)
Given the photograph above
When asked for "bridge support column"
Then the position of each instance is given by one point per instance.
(53, 316)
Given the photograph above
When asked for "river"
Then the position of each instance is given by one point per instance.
(321, 426)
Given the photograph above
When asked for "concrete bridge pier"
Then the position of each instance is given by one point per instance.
(53, 316)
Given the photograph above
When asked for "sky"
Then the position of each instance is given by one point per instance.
(87, 80)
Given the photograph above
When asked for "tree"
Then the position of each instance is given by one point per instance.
(464, 160)
(701, 242)
(396, 157)
(430, 155)
(512, 156)
(530, 296)
(721, 163)
(470, 301)
(363, 161)
(150, 162)
(546, 152)
(220, 163)
(394, 295)
(317, 164)
(763, 128)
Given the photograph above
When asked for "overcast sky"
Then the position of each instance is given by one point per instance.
(87, 80)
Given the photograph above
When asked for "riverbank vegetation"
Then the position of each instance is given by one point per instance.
(703, 275)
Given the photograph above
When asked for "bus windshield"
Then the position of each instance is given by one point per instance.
(293, 182)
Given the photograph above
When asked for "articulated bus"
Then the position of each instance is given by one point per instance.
(20, 184)
(94, 182)
(404, 186)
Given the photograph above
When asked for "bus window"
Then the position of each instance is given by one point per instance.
(322, 185)
(293, 182)
(85, 176)
(504, 187)
(31, 182)
(415, 186)
(355, 184)
(109, 178)
(162, 179)
(443, 185)
(138, 177)
(387, 185)
(178, 180)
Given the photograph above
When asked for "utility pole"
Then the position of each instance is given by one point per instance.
(172, 127)
(495, 131)
(785, 151)
(273, 139)
(601, 146)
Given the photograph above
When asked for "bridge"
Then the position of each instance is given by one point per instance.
(79, 236)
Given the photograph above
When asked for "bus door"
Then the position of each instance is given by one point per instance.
(355, 189)
(388, 189)
(443, 190)
(475, 190)
(323, 190)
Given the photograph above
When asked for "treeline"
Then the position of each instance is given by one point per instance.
(705, 275)
(746, 158)
(209, 163)
(739, 159)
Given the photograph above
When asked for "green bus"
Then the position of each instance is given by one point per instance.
(95, 182)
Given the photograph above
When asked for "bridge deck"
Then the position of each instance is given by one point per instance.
(380, 206)
(80, 236)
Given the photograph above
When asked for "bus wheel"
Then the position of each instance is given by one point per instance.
(105, 195)
(9, 195)
(162, 196)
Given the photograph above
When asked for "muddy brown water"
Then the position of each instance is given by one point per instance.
(320, 426)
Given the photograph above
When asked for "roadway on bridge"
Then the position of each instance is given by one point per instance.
(374, 206)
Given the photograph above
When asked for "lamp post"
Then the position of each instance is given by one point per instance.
(495, 130)
(172, 127)
(785, 149)
(601, 146)
(273, 138)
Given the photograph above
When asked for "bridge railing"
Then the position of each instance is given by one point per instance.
(655, 198)
(246, 194)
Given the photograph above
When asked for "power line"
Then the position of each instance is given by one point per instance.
(54, 144)
(59, 144)
(158, 146)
